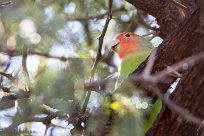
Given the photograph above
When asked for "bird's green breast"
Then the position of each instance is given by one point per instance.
(132, 61)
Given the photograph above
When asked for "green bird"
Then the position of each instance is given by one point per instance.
(132, 50)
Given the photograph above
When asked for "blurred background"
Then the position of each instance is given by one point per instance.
(61, 37)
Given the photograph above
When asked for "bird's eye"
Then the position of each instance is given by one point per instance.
(127, 35)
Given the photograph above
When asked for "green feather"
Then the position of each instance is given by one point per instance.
(132, 61)
(145, 43)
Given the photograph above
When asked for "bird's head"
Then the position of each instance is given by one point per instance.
(125, 43)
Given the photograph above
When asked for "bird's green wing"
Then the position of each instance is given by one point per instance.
(145, 43)
(129, 64)
(132, 61)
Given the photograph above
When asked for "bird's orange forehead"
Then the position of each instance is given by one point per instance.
(124, 35)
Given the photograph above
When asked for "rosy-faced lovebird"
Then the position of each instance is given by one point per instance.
(132, 50)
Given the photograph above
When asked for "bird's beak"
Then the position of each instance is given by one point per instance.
(113, 44)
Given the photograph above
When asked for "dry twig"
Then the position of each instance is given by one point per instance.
(150, 33)
(45, 120)
(24, 64)
(150, 63)
(5, 3)
(200, 130)
(150, 82)
(101, 16)
(155, 77)
(170, 104)
(9, 76)
(98, 57)
(179, 4)
(177, 66)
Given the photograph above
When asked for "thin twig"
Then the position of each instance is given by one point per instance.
(24, 65)
(174, 73)
(179, 4)
(149, 33)
(200, 130)
(142, 21)
(47, 55)
(153, 33)
(99, 85)
(7, 67)
(54, 125)
(150, 84)
(20, 120)
(5, 3)
(179, 65)
(98, 57)
(5, 89)
(9, 76)
(170, 104)
(61, 58)
(45, 120)
(46, 129)
(155, 77)
(100, 16)
(150, 63)
(153, 36)
(148, 81)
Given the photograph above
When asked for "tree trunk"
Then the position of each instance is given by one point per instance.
(189, 94)
(182, 30)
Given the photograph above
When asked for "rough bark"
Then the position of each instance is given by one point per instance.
(167, 14)
(189, 94)
(177, 46)
(183, 37)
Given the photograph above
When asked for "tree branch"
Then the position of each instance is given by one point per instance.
(156, 78)
(167, 15)
(179, 4)
(5, 3)
(100, 16)
(18, 119)
(98, 57)
(24, 64)
(170, 104)
(9, 76)
(179, 65)
(61, 58)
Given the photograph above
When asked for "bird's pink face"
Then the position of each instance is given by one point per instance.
(124, 44)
